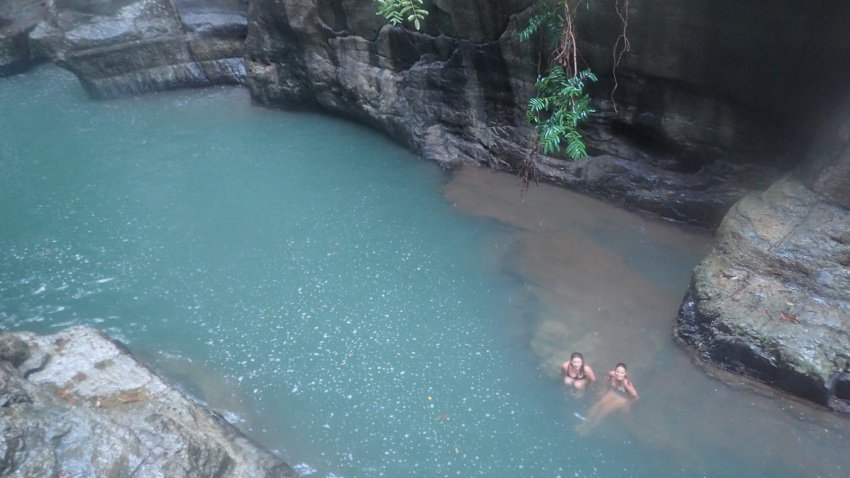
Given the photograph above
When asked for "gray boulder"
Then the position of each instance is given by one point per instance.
(133, 46)
(78, 404)
(772, 300)
(17, 19)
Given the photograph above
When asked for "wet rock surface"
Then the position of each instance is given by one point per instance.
(134, 46)
(772, 300)
(17, 19)
(78, 404)
(685, 138)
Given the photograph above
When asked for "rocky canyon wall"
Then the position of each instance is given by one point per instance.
(715, 98)
(121, 47)
(709, 103)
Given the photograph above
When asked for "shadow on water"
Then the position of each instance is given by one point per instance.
(608, 283)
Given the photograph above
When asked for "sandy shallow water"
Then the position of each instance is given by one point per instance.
(609, 282)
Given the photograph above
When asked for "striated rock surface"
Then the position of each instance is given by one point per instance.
(134, 46)
(701, 97)
(77, 404)
(772, 300)
(17, 19)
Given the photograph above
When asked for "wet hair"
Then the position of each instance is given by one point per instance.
(621, 364)
(577, 355)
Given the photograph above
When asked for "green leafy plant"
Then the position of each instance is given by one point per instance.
(547, 21)
(562, 103)
(398, 11)
(560, 106)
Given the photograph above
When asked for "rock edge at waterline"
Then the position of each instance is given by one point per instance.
(772, 300)
(76, 403)
(119, 48)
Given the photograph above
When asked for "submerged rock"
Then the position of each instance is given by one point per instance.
(78, 404)
(772, 300)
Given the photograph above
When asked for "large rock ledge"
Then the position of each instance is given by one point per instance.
(121, 47)
(78, 404)
(772, 301)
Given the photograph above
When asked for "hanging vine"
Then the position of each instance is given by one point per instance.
(562, 103)
(622, 45)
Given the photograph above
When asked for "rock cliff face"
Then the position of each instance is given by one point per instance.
(703, 98)
(17, 19)
(708, 100)
(771, 301)
(77, 404)
(134, 46)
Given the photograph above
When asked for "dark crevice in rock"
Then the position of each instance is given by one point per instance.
(840, 399)
(841, 387)
(660, 151)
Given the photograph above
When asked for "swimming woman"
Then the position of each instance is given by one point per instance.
(576, 372)
(620, 393)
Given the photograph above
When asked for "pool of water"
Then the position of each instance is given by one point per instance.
(360, 311)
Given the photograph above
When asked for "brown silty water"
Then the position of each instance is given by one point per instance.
(608, 283)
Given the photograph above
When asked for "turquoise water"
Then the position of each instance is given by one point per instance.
(309, 279)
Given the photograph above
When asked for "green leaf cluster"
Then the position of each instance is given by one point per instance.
(399, 11)
(560, 106)
(546, 21)
(562, 103)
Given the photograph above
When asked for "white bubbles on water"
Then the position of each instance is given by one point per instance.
(337, 297)
(304, 469)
